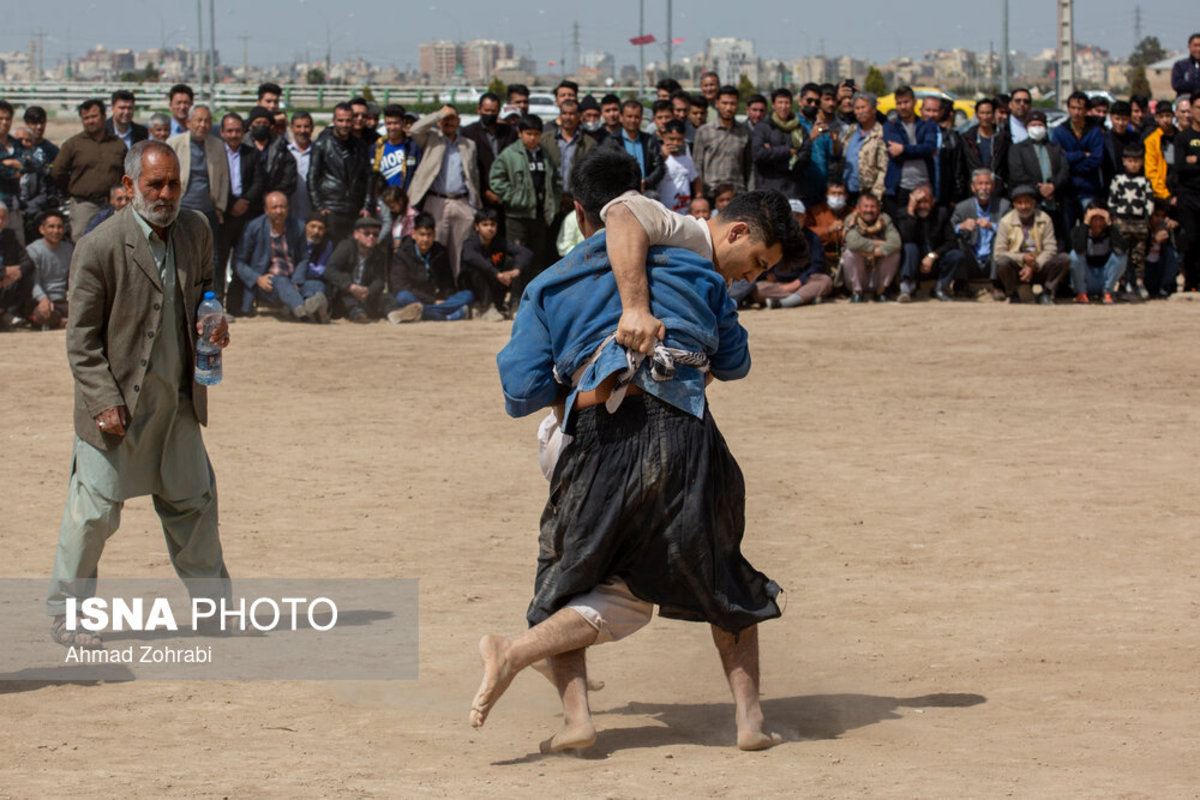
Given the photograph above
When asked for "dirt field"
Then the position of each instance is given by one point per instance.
(979, 512)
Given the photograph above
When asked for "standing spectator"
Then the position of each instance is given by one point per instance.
(1185, 75)
(118, 198)
(1026, 250)
(565, 143)
(1040, 163)
(269, 95)
(1160, 150)
(681, 182)
(722, 147)
(203, 171)
(845, 102)
(1187, 163)
(337, 175)
(1183, 117)
(360, 125)
(974, 221)
(1082, 141)
(277, 165)
(15, 161)
(301, 149)
(589, 113)
(243, 203)
(490, 136)
(912, 146)
(710, 90)
(986, 144)
(681, 101)
(824, 134)
(493, 265)
(51, 257)
(700, 208)
(159, 126)
(270, 263)
(661, 113)
(872, 253)
(1120, 136)
(279, 125)
(422, 281)
(643, 146)
(1131, 198)
(34, 195)
(1020, 108)
(357, 273)
(950, 166)
(697, 113)
(1140, 118)
(756, 110)
(88, 164)
(395, 156)
(527, 182)
(517, 95)
(866, 157)
(1098, 108)
(610, 112)
(928, 246)
(121, 123)
(1098, 256)
(44, 151)
(810, 101)
(179, 100)
(16, 275)
(447, 181)
(666, 87)
(771, 146)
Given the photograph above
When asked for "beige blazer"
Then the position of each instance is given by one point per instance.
(116, 311)
(218, 166)
(426, 133)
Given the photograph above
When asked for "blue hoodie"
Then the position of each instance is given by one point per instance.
(1084, 155)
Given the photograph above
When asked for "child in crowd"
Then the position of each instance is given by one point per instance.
(422, 280)
(682, 181)
(1131, 199)
(492, 265)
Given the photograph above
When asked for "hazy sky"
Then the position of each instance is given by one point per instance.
(389, 31)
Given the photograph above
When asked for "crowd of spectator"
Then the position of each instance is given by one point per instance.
(430, 220)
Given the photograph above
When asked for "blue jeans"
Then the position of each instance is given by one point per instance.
(944, 268)
(452, 308)
(1096, 280)
(282, 291)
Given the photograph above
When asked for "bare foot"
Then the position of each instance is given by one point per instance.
(497, 675)
(570, 737)
(544, 668)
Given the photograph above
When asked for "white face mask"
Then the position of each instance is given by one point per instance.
(1037, 132)
(593, 125)
(835, 202)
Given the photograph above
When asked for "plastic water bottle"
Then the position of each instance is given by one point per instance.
(208, 355)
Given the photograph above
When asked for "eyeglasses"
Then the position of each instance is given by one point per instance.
(1019, 100)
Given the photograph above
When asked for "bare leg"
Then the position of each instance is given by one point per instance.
(503, 658)
(739, 658)
(570, 676)
(546, 670)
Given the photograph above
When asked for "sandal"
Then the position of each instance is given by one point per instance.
(85, 639)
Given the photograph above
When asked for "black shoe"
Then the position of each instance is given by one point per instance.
(359, 316)
(856, 297)
(940, 294)
(883, 298)
(1046, 298)
(1015, 297)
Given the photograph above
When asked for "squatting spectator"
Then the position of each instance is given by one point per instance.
(357, 273)
(1026, 250)
(872, 253)
(51, 257)
(975, 221)
(424, 286)
(928, 246)
(270, 261)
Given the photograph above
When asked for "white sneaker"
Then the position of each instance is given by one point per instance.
(409, 313)
(493, 314)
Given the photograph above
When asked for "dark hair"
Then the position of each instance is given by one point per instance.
(343, 107)
(487, 213)
(517, 88)
(269, 88)
(722, 188)
(233, 115)
(393, 110)
(566, 84)
(1002, 100)
(568, 104)
(1020, 89)
(782, 91)
(632, 104)
(89, 104)
(661, 105)
(530, 122)
(48, 213)
(940, 103)
(610, 99)
(124, 95)
(669, 85)
(675, 126)
(180, 88)
(828, 89)
(729, 90)
(600, 176)
(357, 101)
(769, 217)
(34, 115)
(1193, 37)
(424, 221)
(681, 93)
(316, 216)
(7, 106)
(697, 101)
(756, 98)
(810, 87)
(987, 101)
(302, 115)
(1134, 151)
(1099, 101)
(1121, 107)
(1078, 97)
(903, 91)
(394, 194)
(1140, 100)
(869, 196)
(486, 96)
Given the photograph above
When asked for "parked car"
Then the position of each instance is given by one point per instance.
(964, 110)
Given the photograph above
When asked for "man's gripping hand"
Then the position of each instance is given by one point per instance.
(113, 420)
(639, 330)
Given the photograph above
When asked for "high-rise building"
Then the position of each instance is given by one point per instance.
(732, 58)
(441, 61)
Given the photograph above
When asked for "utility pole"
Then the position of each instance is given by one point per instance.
(1004, 68)
(1137, 25)
(200, 41)
(245, 54)
(670, 44)
(1066, 52)
(575, 46)
(641, 49)
(212, 52)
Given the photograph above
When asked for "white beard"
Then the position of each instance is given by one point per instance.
(160, 215)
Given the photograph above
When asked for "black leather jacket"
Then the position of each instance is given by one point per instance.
(279, 166)
(337, 174)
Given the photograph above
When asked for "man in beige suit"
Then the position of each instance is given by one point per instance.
(447, 179)
(203, 170)
(136, 282)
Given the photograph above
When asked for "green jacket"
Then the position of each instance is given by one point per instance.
(512, 183)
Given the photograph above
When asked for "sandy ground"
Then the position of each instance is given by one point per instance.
(980, 514)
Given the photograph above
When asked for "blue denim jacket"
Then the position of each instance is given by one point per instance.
(568, 310)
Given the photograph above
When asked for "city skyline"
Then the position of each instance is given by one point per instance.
(546, 35)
